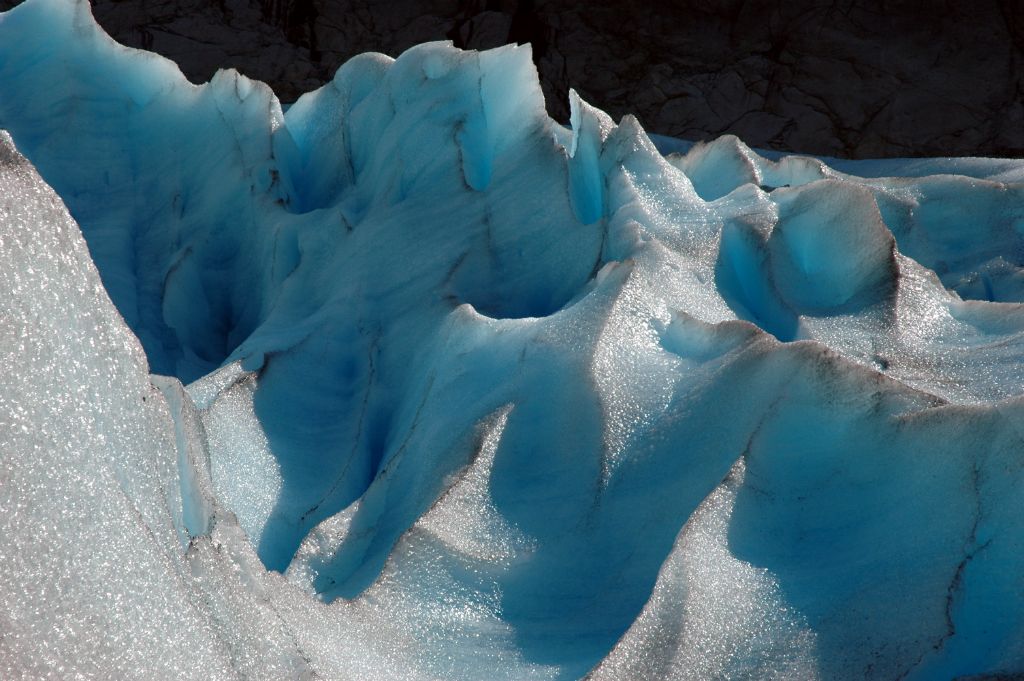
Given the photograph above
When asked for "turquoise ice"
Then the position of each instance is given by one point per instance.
(412, 382)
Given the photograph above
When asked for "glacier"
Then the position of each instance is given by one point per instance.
(412, 382)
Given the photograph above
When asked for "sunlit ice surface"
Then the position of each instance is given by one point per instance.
(412, 382)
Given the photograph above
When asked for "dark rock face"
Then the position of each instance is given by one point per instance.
(841, 78)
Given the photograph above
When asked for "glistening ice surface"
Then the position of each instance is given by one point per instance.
(412, 382)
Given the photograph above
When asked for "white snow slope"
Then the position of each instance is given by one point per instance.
(413, 383)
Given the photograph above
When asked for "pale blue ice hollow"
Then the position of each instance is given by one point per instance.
(435, 388)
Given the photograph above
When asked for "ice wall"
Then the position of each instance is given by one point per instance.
(471, 395)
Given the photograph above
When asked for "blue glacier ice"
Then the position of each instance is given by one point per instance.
(412, 382)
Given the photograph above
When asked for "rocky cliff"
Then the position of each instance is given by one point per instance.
(849, 79)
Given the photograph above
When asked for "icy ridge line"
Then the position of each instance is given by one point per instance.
(413, 382)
